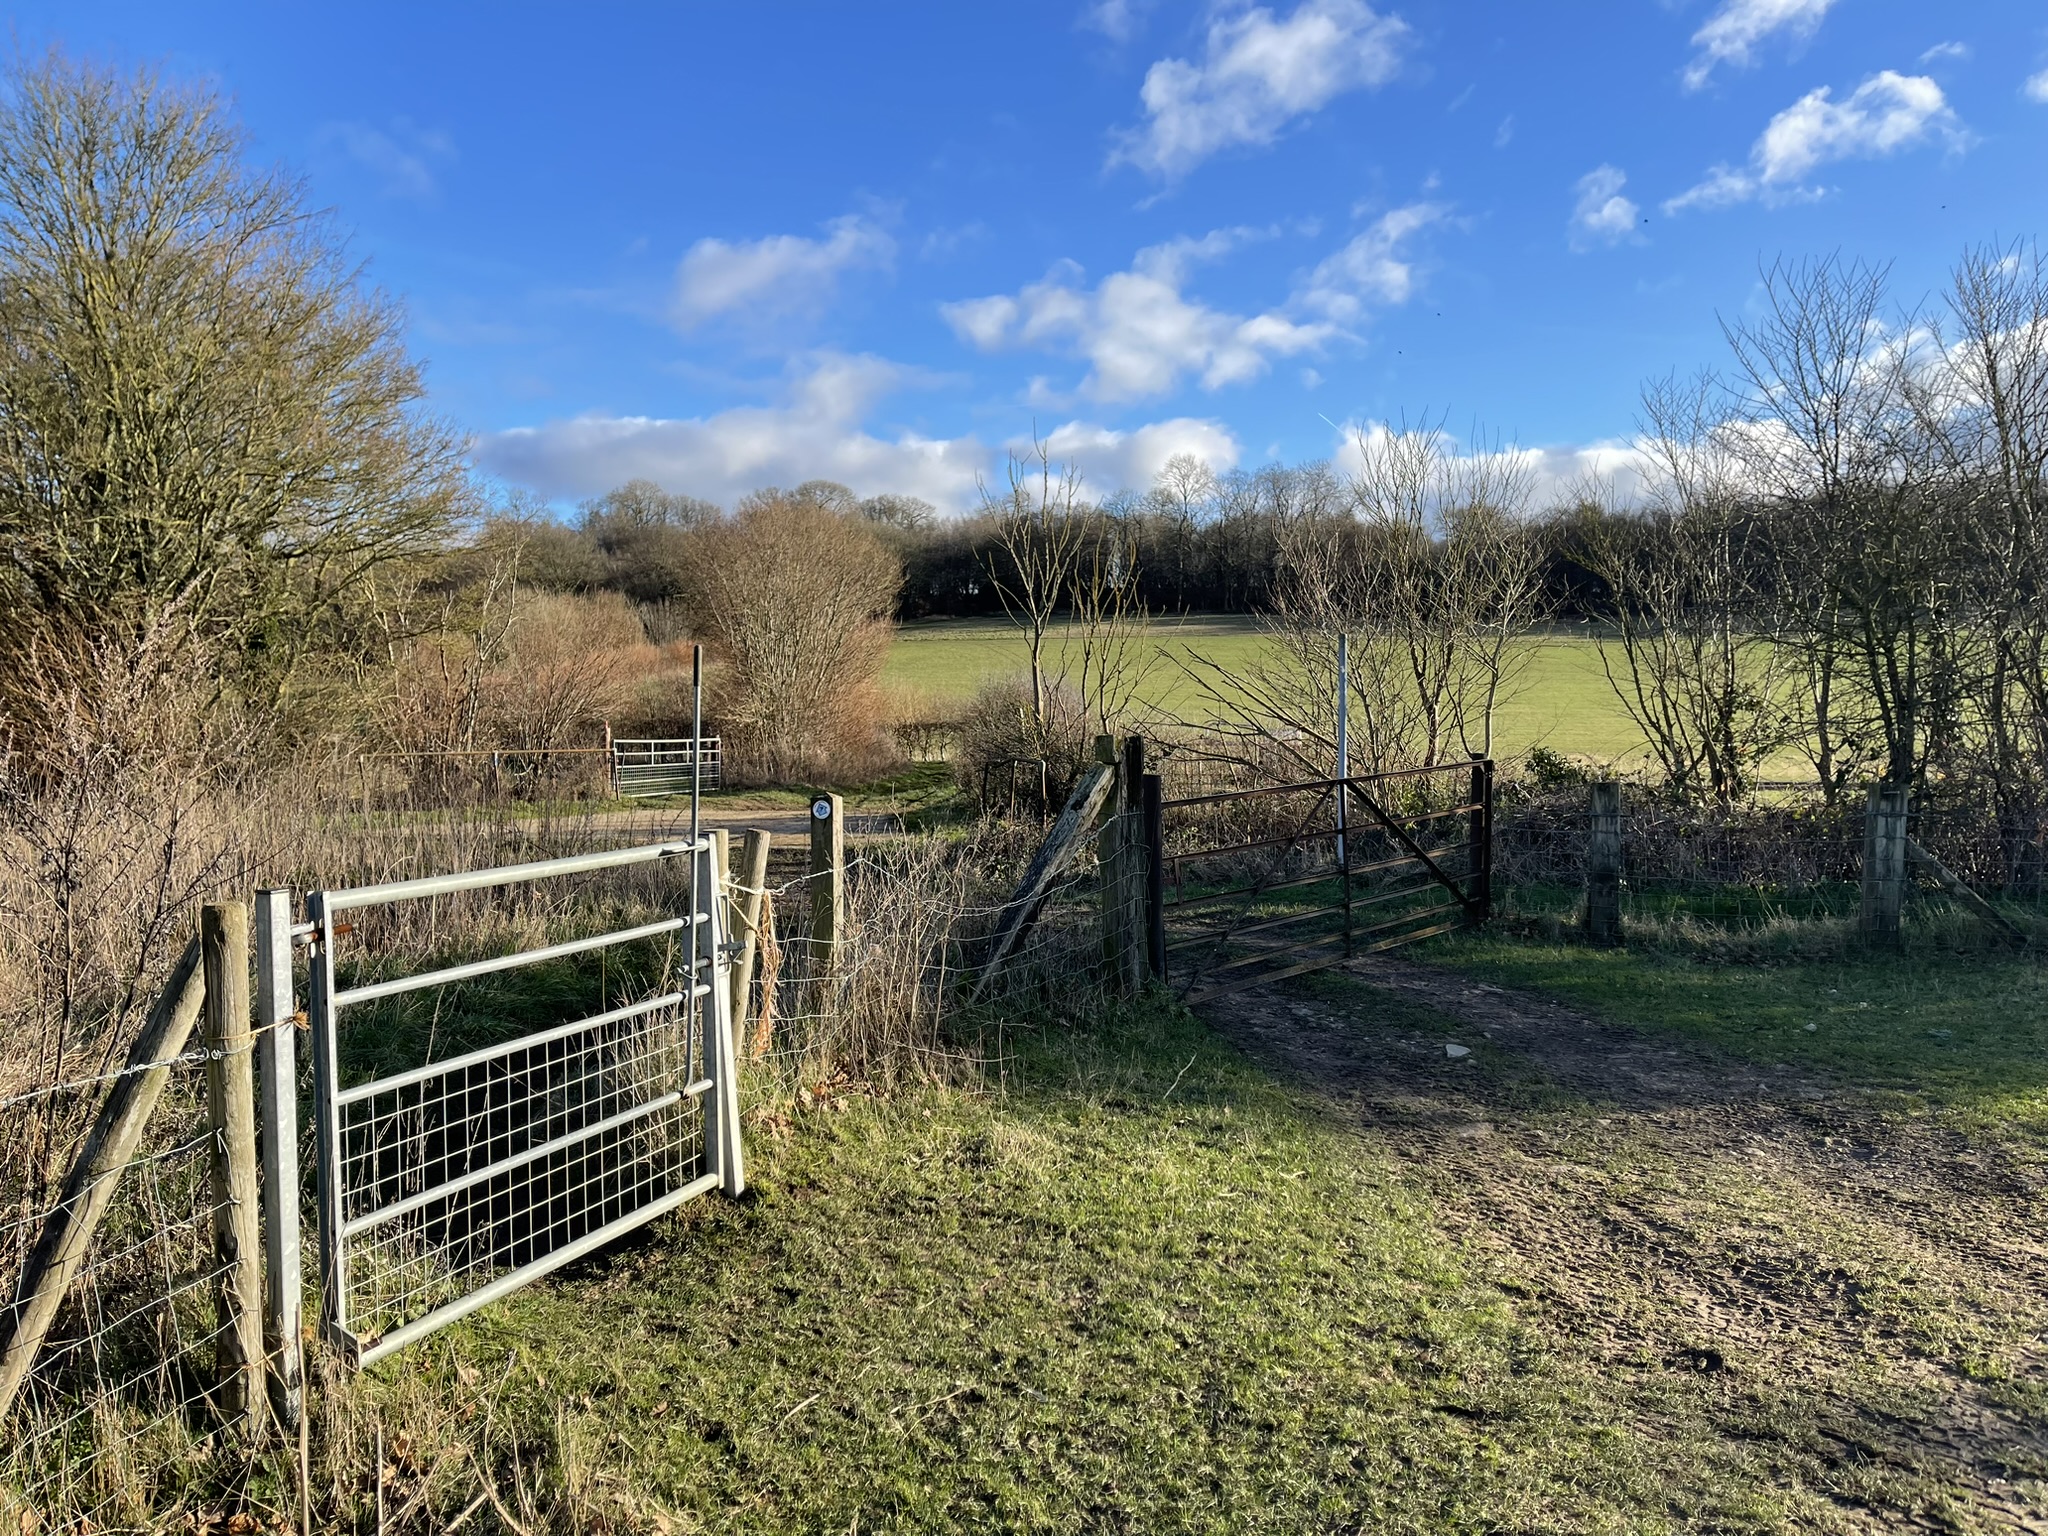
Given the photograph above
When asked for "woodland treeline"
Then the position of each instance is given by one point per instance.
(1834, 551)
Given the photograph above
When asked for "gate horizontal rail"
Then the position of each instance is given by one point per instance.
(1260, 883)
(448, 1184)
(647, 766)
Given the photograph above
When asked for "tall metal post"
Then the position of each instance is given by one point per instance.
(722, 1122)
(278, 1075)
(327, 1122)
(696, 734)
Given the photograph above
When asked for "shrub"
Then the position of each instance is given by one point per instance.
(1005, 761)
(797, 598)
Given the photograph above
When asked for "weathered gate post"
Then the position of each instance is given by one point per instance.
(1603, 863)
(1154, 795)
(1884, 863)
(1479, 833)
(1131, 861)
(231, 1116)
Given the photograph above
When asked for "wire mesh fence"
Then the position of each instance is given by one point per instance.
(129, 1401)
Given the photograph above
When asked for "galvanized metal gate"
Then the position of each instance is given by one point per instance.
(648, 766)
(1258, 884)
(448, 1184)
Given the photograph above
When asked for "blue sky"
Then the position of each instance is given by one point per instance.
(729, 246)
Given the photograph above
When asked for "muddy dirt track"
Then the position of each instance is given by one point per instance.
(1866, 1286)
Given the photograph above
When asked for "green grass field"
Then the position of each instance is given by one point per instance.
(1140, 1280)
(1560, 697)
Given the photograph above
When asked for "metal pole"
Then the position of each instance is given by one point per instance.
(327, 1124)
(696, 739)
(277, 1067)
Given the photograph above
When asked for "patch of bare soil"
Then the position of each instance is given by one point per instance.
(1859, 1292)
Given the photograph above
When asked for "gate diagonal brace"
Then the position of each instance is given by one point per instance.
(1448, 882)
(1254, 893)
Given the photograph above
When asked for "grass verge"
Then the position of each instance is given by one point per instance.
(1139, 1286)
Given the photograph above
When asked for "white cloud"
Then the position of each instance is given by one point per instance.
(2036, 88)
(1885, 114)
(1110, 460)
(1732, 33)
(403, 157)
(1371, 268)
(1602, 216)
(1142, 335)
(1941, 53)
(815, 432)
(1553, 474)
(1117, 20)
(777, 275)
(1258, 74)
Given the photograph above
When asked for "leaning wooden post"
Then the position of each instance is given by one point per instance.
(1603, 863)
(231, 1116)
(828, 882)
(89, 1187)
(1884, 863)
(277, 1069)
(750, 891)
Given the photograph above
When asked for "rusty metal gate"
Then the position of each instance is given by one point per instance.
(1252, 885)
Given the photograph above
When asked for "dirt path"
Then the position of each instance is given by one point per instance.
(1867, 1288)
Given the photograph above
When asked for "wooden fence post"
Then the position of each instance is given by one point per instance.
(277, 1067)
(231, 1116)
(89, 1187)
(1110, 853)
(828, 881)
(1884, 863)
(1154, 834)
(751, 893)
(1131, 863)
(1479, 830)
(1603, 863)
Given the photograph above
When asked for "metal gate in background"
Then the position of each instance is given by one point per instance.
(646, 766)
(1258, 884)
(449, 1184)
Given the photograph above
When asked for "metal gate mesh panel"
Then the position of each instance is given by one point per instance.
(492, 1161)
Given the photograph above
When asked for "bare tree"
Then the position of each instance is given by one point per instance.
(798, 600)
(1826, 425)
(1687, 651)
(1040, 534)
(1451, 575)
(209, 426)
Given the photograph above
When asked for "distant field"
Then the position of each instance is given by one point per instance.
(1561, 698)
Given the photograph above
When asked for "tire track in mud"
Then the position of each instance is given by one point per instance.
(1874, 1282)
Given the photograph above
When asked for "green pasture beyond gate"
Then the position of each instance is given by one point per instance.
(1560, 698)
